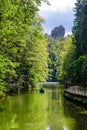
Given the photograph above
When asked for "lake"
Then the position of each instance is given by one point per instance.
(42, 111)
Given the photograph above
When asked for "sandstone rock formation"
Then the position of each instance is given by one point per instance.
(58, 32)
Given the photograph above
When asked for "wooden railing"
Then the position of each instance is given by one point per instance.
(76, 90)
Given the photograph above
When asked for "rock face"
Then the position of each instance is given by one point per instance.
(58, 32)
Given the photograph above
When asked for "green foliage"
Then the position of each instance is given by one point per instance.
(65, 56)
(68, 67)
(80, 28)
(6, 72)
(36, 58)
(61, 54)
(52, 49)
(79, 70)
(72, 51)
(23, 53)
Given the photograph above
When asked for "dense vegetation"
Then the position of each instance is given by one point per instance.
(28, 57)
(80, 41)
(23, 51)
(61, 54)
(69, 55)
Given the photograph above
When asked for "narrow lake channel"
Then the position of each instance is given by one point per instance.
(42, 111)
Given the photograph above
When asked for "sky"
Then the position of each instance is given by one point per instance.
(60, 12)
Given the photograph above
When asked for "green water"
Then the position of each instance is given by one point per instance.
(36, 111)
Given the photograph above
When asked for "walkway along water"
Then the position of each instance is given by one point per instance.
(75, 93)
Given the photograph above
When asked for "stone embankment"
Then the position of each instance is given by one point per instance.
(76, 94)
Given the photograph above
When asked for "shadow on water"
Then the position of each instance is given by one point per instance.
(1, 109)
(36, 111)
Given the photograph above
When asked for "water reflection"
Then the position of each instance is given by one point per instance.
(48, 128)
(36, 111)
(65, 128)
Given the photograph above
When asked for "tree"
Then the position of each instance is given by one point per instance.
(35, 57)
(79, 70)
(80, 28)
(80, 41)
(65, 56)
(19, 33)
(52, 46)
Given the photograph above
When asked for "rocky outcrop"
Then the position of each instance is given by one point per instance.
(58, 32)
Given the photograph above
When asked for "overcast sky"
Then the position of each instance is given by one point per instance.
(60, 12)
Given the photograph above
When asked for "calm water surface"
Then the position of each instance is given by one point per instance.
(36, 111)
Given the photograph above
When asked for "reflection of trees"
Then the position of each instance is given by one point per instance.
(57, 118)
(54, 108)
(36, 111)
(25, 111)
(72, 111)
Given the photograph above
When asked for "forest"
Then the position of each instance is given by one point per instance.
(28, 56)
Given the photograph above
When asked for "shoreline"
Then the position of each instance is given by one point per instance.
(75, 94)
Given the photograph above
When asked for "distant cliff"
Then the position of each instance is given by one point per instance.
(58, 32)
